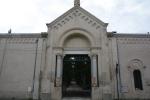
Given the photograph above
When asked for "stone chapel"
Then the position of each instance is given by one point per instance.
(76, 59)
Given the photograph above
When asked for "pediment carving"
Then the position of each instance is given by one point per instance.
(77, 12)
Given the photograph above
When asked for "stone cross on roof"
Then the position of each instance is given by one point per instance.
(76, 2)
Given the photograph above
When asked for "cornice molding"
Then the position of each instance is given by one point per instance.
(24, 35)
(133, 40)
(21, 40)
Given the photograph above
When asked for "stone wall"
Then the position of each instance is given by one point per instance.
(24, 57)
(133, 54)
(20, 62)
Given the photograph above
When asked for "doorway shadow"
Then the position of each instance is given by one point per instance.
(76, 80)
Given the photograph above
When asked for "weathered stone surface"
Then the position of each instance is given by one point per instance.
(31, 65)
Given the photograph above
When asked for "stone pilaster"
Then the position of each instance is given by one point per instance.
(94, 70)
(59, 70)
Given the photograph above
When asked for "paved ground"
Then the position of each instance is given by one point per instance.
(76, 98)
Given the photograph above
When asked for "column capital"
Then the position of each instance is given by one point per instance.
(59, 54)
(94, 55)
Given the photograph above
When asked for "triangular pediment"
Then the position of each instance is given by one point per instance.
(77, 11)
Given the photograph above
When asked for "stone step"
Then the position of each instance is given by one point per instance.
(75, 98)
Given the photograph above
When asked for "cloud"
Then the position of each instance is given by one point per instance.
(32, 15)
(122, 15)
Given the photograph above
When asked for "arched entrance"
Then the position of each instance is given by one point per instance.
(76, 72)
(76, 80)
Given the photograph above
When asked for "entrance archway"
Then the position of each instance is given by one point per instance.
(76, 80)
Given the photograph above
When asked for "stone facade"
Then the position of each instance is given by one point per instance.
(20, 60)
(31, 64)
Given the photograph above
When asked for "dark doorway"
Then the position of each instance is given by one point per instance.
(76, 76)
(137, 79)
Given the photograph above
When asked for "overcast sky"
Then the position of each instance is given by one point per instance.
(31, 16)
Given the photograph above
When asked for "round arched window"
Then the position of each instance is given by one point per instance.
(137, 79)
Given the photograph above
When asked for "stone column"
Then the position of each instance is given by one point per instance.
(94, 70)
(59, 70)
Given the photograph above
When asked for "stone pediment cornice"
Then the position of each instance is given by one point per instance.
(77, 12)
